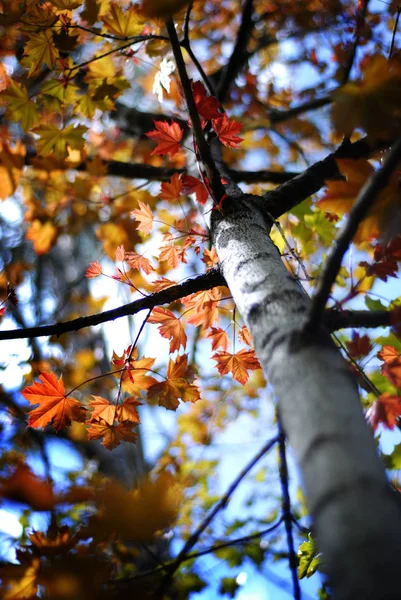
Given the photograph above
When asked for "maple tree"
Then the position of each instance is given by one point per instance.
(228, 173)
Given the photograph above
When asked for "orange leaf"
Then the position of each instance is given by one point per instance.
(389, 355)
(238, 364)
(219, 338)
(42, 235)
(127, 411)
(134, 378)
(192, 185)
(392, 365)
(144, 216)
(112, 435)
(102, 409)
(177, 386)
(245, 336)
(25, 487)
(94, 270)
(54, 407)
(174, 255)
(120, 253)
(227, 131)
(171, 190)
(138, 261)
(168, 136)
(170, 328)
(11, 165)
(205, 307)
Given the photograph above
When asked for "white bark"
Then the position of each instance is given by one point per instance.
(357, 521)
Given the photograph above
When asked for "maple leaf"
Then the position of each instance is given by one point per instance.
(170, 327)
(171, 190)
(162, 284)
(205, 307)
(177, 386)
(120, 253)
(192, 185)
(43, 236)
(372, 104)
(219, 338)
(138, 261)
(57, 141)
(392, 364)
(19, 107)
(40, 50)
(207, 106)
(359, 346)
(245, 336)
(127, 411)
(25, 487)
(125, 24)
(173, 255)
(237, 364)
(210, 257)
(94, 270)
(386, 409)
(54, 407)
(137, 514)
(112, 435)
(144, 216)
(134, 378)
(168, 136)
(11, 164)
(227, 131)
(102, 409)
(67, 4)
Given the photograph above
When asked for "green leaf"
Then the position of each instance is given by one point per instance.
(374, 304)
(309, 559)
(229, 586)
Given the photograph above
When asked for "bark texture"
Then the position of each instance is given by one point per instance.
(356, 519)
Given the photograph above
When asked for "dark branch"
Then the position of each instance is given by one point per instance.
(205, 156)
(239, 54)
(341, 319)
(290, 194)
(365, 199)
(206, 281)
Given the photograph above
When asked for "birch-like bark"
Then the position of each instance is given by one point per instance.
(356, 519)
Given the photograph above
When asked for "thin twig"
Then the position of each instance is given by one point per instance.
(390, 54)
(287, 514)
(222, 503)
(365, 199)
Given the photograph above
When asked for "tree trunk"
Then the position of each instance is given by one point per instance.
(356, 520)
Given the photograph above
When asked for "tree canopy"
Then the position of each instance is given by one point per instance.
(149, 154)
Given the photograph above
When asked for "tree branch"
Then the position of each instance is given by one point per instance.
(236, 60)
(208, 280)
(293, 192)
(342, 319)
(365, 199)
(205, 156)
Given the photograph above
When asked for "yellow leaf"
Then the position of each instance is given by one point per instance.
(64, 91)
(11, 165)
(125, 24)
(43, 236)
(40, 50)
(20, 108)
(55, 141)
(373, 104)
(136, 515)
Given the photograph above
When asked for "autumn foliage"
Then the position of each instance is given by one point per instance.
(108, 193)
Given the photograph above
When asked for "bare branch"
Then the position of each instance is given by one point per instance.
(206, 281)
(342, 319)
(365, 199)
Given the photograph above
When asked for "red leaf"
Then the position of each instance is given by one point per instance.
(168, 136)
(192, 185)
(171, 190)
(54, 407)
(227, 131)
(386, 409)
(207, 106)
(94, 270)
(359, 346)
